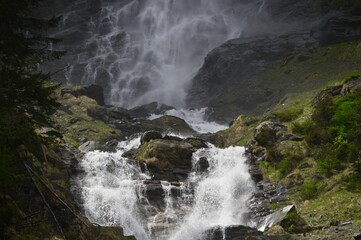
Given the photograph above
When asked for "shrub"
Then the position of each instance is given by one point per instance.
(309, 190)
(302, 128)
(288, 163)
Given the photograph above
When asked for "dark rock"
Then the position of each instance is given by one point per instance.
(51, 132)
(256, 174)
(154, 191)
(150, 135)
(357, 236)
(174, 138)
(215, 139)
(233, 233)
(338, 29)
(146, 110)
(202, 165)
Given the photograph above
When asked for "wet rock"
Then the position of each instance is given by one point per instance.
(154, 191)
(234, 233)
(202, 165)
(110, 146)
(146, 110)
(256, 174)
(89, 146)
(150, 135)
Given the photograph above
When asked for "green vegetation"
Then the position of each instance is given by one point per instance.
(289, 114)
(336, 130)
(25, 93)
(309, 190)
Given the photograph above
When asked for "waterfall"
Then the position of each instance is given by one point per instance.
(114, 192)
(146, 51)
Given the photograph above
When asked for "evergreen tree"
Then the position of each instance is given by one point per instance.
(23, 47)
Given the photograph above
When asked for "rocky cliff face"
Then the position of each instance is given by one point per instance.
(230, 81)
(226, 81)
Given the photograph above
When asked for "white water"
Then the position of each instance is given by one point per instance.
(149, 50)
(221, 196)
(113, 191)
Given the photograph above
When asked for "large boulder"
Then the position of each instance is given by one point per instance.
(169, 124)
(161, 153)
(268, 133)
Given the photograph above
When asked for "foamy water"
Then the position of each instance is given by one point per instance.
(113, 191)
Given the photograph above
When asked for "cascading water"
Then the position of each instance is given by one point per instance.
(145, 51)
(114, 194)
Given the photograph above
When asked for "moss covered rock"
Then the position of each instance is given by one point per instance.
(166, 153)
(269, 133)
(169, 124)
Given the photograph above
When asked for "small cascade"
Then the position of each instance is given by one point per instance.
(112, 188)
(115, 193)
